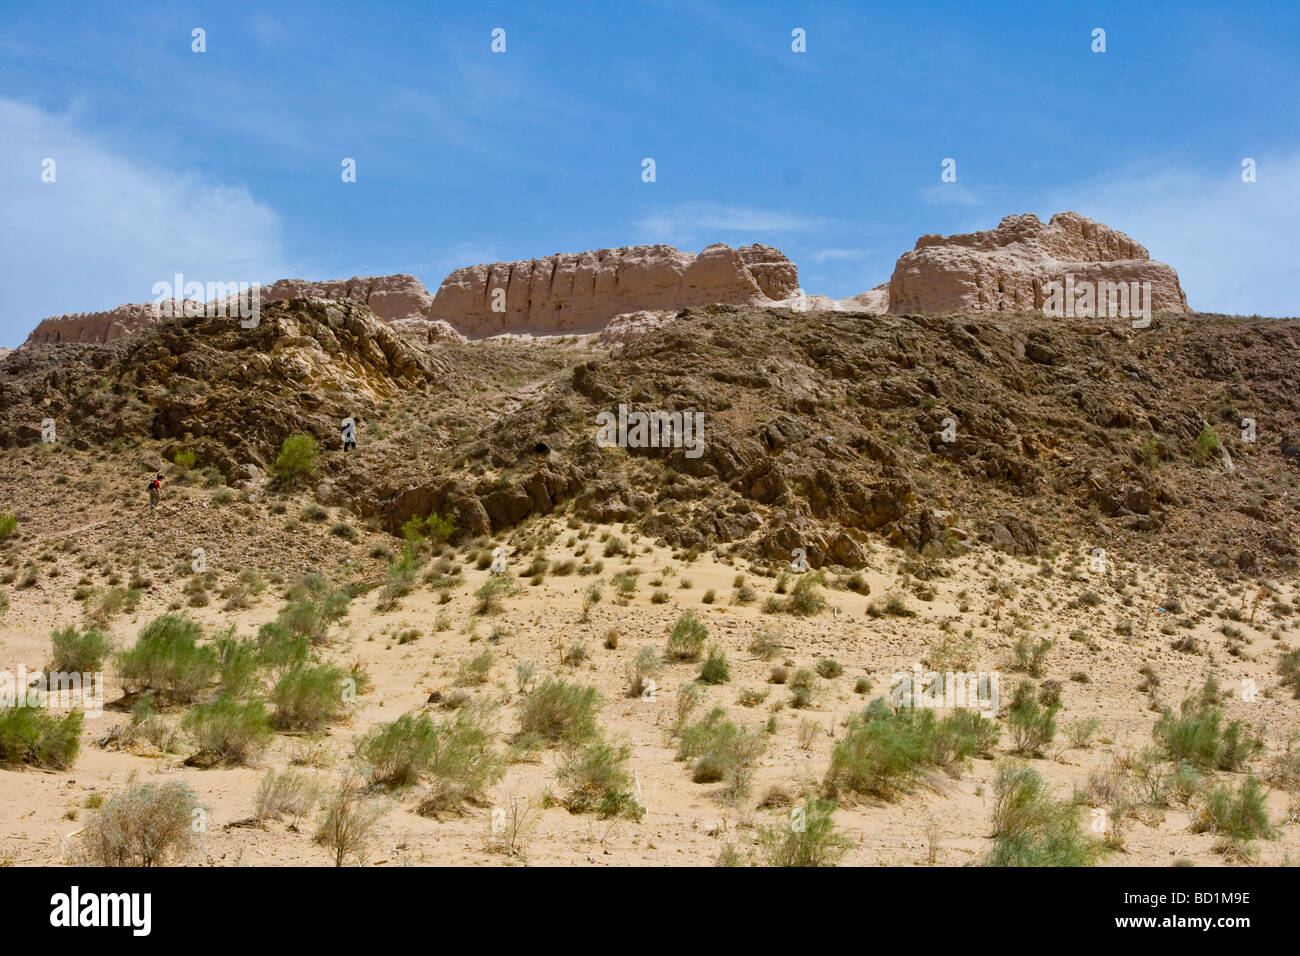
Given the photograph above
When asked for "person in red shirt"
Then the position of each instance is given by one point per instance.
(155, 492)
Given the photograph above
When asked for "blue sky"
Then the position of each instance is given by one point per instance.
(225, 165)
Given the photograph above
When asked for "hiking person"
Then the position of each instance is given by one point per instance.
(349, 432)
(155, 492)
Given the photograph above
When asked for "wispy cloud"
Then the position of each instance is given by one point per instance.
(690, 221)
(950, 194)
(109, 227)
(1233, 243)
(840, 255)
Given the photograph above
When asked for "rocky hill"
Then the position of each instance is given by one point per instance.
(819, 429)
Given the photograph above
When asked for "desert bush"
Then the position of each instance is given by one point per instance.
(1030, 654)
(289, 793)
(721, 750)
(75, 652)
(348, 822)
(490, 595)
(102, 605)
(398, 583)
(434, 529)
(1033, 725)
(559, 712)
(462, 762)
(812, 841)
(297, 459)
(238, 661)
(475, 670)
(149, 824)
(1031, 828)
(227, 731)
(395, 754)
(829, 669)
(310, 610)
(1081, 732)
(595, 778)
(1197, 734)
(167, 659)
(807, 599)
(715, 669)
(642, 670)
(1237, 815)
(308, 697)
(765, 646)
(686, 640)
(884, 751)
(239, 594)
(8, 525)
(1207, 443)
(32, 735)
(1289, 668)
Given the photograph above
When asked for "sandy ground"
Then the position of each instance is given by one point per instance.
(688, 823)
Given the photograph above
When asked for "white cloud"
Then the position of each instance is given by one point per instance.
(689, 221)
(1233, 243)
(950, 194)
(841, 255)
(110, 226)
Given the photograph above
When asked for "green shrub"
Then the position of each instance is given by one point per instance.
(31, 735)
(227, 731)
(829, 669)
(311, 609)
(641, 671)
(1207, 443)
(721, 750)
(237, 663)
(715, 669)
(596, 778)
(1030, 655)
(1239, 816)
(308, 697)
(398, 584)
(1033, 725)
(462, 763)
(148, 824)
(475, 670)
(1289, 668)
(297, 459)
(395, 754)
(8, 524)
(77, 653)
(686, 640)
(1030, 828)
(1198, 736)
(560, 712)
(884, 751)
(809, 839)
(184, 459)
(490, 594)
(434, 529)
(166, 659)
(807, 599)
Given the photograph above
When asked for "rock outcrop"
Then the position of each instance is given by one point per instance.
(1008, 269)
(392, 298)
(561, 294)
(632, 325)
(577, 294)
